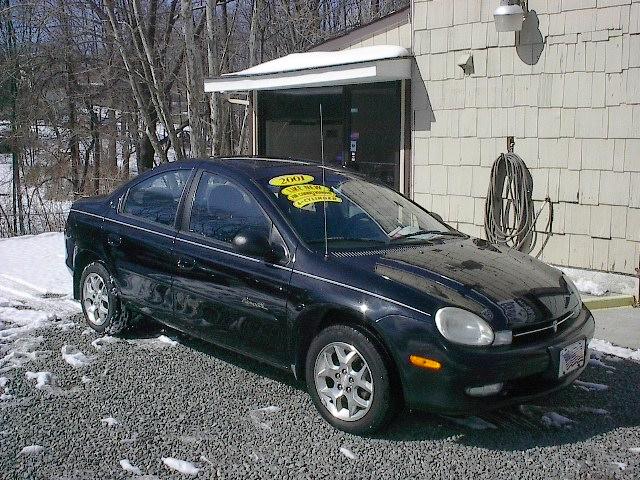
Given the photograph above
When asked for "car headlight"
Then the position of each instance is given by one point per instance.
(461, 326)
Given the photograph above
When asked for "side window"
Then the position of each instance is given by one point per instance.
(221, 210)
(156, 199)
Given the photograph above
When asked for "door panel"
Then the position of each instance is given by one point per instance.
(139, 238)
(231, 299)
(142, 264)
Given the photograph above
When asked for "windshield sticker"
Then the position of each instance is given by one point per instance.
(302, 189)
(316, 198)
(293, 179)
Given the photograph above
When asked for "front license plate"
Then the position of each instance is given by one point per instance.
(572, 357)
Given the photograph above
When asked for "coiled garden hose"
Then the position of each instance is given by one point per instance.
(510, 217)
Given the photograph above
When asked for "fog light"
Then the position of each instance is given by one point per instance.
(485, 390)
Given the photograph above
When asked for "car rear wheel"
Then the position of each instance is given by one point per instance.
(349, 380)
(100, 304)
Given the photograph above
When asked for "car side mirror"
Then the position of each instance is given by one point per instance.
(251, 243)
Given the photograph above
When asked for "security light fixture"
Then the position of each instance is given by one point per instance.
(509, 16)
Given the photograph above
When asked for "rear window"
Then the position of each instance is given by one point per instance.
(156, 199)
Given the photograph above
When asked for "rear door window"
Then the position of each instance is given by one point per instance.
(221, 210)
(156, 199)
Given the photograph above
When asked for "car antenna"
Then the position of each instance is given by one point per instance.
(326, 240)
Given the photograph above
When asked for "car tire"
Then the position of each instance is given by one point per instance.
(101, 306)
(334, 400)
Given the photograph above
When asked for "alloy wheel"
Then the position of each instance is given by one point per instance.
(343, 381)
(95, 298)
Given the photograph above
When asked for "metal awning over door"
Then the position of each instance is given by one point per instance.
(381, 63)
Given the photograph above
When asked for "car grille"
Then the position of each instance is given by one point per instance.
(539, 331)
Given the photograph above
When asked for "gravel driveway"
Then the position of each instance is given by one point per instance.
(142, 399)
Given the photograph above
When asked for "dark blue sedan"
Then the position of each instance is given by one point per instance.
(371, 299)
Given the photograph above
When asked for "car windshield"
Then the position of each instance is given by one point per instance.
(359, 214)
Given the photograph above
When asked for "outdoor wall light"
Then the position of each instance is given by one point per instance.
(509, 16)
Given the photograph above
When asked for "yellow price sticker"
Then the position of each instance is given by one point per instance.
(293, 179)
(309, 199)
(300, 189)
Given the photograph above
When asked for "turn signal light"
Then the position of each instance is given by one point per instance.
(427, 363)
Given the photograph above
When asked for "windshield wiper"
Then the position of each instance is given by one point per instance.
(430, 232)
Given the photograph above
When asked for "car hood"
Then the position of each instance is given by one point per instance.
(502, 285)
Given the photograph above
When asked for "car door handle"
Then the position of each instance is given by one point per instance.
(114, 240)
(186, 263)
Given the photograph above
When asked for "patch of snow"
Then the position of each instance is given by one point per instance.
(634, 449)
(43, 379)
(258, 416)
(109, 421)
(127, 467)
(620, 465)
(182, 466)
(610, 349)
(595, 411)
(86, 379)
(101, 342)
(555, 420)
(590, 287)
(590, 387)
(43, 273)
(32, 450)
(160, 341)
(167, 340)
(347, 453)
(475, 423)
(75, 357)
(597, 362)
(88, 331)
(611, 282)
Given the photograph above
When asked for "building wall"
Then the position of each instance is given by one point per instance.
(570, 94)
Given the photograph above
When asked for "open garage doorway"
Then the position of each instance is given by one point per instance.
(362, 127)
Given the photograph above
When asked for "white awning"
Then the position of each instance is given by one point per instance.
(380, 63)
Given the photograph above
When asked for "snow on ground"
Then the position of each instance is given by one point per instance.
(127, 467)
(590, 387)
(347, 453)
(598, 283)
(555, 420)
(110, 421)
(606, 347)
(32, 450)
(182, 466)
(75, 357)
(36, 262)
(43, 379)
(258, 416)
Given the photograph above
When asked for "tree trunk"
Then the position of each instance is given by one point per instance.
(214, 71)
(111, 134)
(195, 83)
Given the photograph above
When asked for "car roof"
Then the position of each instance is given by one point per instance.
(266, 167)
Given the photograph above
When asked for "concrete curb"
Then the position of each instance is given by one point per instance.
(609, 301)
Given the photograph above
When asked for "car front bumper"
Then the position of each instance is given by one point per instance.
(528, 370)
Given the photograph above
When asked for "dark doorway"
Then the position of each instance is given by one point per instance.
(361, 127)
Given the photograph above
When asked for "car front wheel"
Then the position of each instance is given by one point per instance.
(349, 380)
